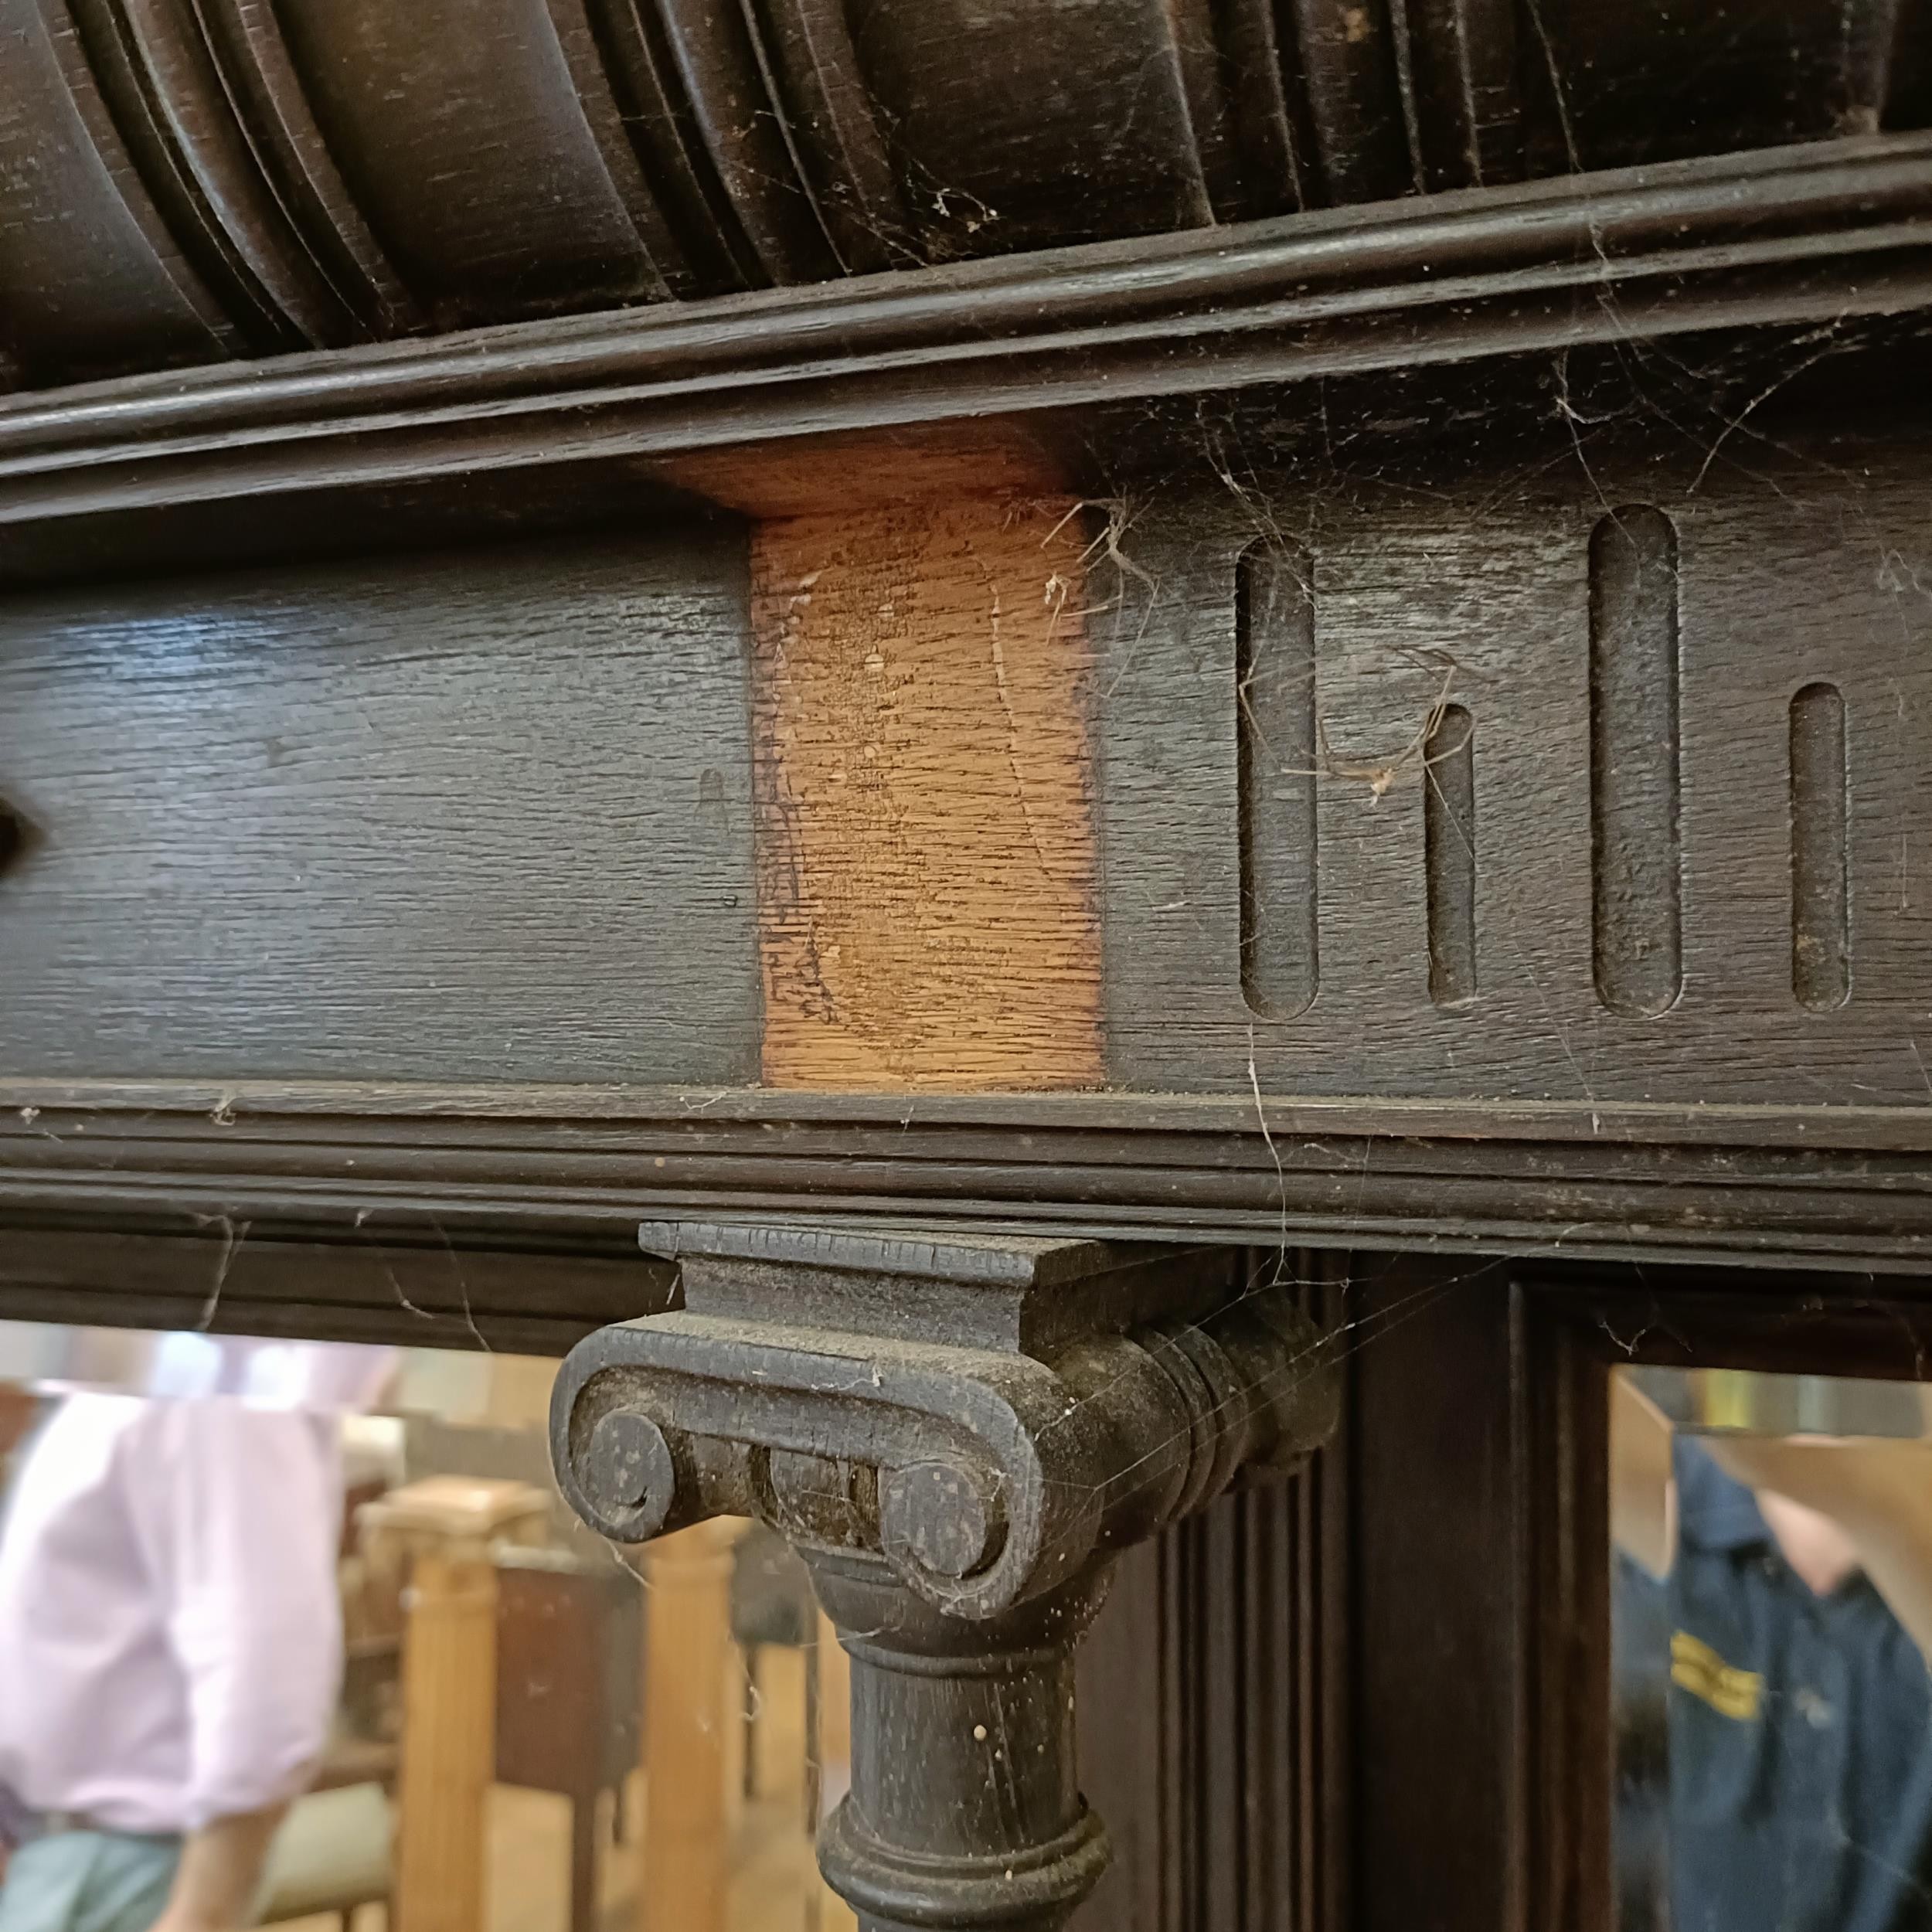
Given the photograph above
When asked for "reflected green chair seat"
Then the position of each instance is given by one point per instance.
(332, 1855)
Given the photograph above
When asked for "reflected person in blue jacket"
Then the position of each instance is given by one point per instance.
(1793, 1578)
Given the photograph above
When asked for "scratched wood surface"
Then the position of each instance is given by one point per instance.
(926, 859)
(473, 814)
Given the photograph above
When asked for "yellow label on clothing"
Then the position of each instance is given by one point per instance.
(1698, 1668)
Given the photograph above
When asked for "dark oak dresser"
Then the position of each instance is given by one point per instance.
(1036, 756)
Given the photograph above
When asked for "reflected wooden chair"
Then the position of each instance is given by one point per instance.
(691, 1714)
(441, 1535)
(524, 1664)
(335, 1851)
(569, 1703)
(772, 1607)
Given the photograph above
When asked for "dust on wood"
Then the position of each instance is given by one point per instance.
(925, 830)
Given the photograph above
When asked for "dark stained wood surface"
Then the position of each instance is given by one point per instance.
(436, 1286)
(460, 849)
(460, 816)
(1630, 862)
(959, 1532)
(1811, 237)
(1440, 1489)
(1511, 831)
(1479, 1600)
(189, 183)
(1513, 852)
(1685, 1184)
(1214, 1716)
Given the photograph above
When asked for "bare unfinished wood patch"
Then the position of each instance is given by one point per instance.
(877, 470)
(924, 828)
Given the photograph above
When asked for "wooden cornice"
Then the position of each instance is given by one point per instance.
(183, 184)
(1827, 232)
(492, 1166)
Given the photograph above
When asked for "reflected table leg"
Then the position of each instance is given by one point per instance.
(448, 1761)
(687, 1657)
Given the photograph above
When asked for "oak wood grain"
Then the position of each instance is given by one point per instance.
(927, 890)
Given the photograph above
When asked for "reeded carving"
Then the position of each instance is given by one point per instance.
(186, 180)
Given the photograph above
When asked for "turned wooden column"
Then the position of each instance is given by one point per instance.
(437, 1536)
(833, 1743)
(965, 1807)
(449, 1743)
(687, 1624)
(957, 1434)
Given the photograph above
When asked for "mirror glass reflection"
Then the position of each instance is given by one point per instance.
(1771, 1625)
(301, 1634)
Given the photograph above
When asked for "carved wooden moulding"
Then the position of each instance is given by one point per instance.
(1591, 792)
(1333, 851)
(185, 183)
(957, 1433)
(978, 739)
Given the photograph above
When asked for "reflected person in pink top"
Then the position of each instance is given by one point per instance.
(170, 1653)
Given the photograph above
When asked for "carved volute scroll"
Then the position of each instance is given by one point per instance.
(956, 1433)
